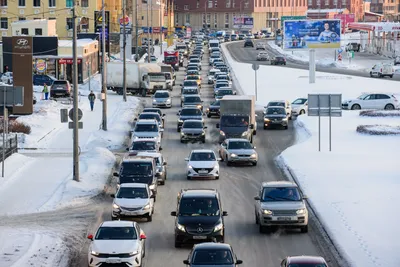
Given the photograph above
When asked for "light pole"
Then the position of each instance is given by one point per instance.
(124, 49)
(148, 33)
(75, 97)
(103, 66)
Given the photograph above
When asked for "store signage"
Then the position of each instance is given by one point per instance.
(68, 61)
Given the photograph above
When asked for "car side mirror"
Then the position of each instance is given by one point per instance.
(90, 236)
(165, 163)
(224, 213)
(152, 196)
(254, 147)
(116, 174)
(219, 159)
(186, 159)
(257, 198)
(173, 213)
(127, 149)
(306, 104)
(112, 195)
(239, 262)
(217, 125)
(160, 149)
(205, 127)
(186, 262)
(305, 197)
(143, 236)
(135, 119)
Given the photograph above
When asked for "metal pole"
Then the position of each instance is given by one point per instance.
(312, 66)
(151, 24)
(4, 132)
(148, 33)
(255, 82)
(319, 124)
(136, 31)
(161, 29)
(124, 50)
(104, 69)
(75, 99)
(330, 122)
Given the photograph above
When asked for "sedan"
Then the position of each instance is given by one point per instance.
(278, 61)
(117, 242)
(162, 98)
(212, 254)
(304, 261)
(263, 56)
(193, 130)
(213, 109)
(202, 163)
(238, 151)
(276, 116)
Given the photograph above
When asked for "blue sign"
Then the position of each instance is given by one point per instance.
(311, 34)
(146, 29)
(340, 50)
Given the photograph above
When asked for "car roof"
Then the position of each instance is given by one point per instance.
(144, 121)
(191, 107)
(279, 184)
(197, 121)
(276, 107)
(237, 140)
(198, 193)
(202, 150)
(146, 109)
(136, 159)
(150, 113)
(161, 91)
(131, 185)
(306, 259)
(144, 140)
(117, 224)
(149, 154)
(277, 101)
(192, 96)
(212, 245)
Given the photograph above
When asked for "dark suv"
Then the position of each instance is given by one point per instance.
(199, 217)
(60, 88)
(248, 42)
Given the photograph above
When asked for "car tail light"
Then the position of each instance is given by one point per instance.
(381, 70)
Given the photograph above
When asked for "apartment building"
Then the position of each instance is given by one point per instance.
(220, 14)
(323, 8)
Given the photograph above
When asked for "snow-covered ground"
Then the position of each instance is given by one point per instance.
(157, 52)
(354, 187)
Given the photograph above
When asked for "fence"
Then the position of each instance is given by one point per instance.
(10, 148)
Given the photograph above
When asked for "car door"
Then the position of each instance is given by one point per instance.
(139, 232)
(382, 100)
(369, 102)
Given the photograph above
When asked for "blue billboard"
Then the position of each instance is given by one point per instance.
(311, 34)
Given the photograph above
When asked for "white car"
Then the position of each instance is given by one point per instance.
(280, 103)
(117, 242)
(148, 129)
(260, 46)
(238, 151)
(7, 78)
(381, 70)
(211, 75)
(133, 200)
(263, 56)
(372, 101)
(202, 163)
(299, 106)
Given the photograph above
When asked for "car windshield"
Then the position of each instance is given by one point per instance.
(116, 233)
(146, 128)
(191, 112)
(136, 168)
(152, 110)
(239, 145)
(276, 104)
(361, 97)
(189, 92)
(224, 69)
(189, 83)
(216, 103)
(192, 99)
(170, 59)
(194, 60)
(219, 85)
(307, 265)
(215, 56)
(161, 95)
(212, 257)
(235, 121)
(199, 207)
(126, 192)
(223, 92)
(149, 116)
(193, 124)
(167, 75)
(192, 73)
(223, 78)
(140, 145)
(59, 82)
(276, 111)
(202, 156)
(299, 101)
(192, 77)
(280, 194)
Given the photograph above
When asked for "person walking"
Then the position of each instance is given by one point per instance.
(46, 92)
(92, 98)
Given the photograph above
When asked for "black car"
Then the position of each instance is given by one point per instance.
(211, 254)
(189, 113)
(276, 116)
(278, 61)
(249, 43)
(227, 38)
(213, 109)
(193, 130)
(60, 88)
(43, 79)
(199, 217)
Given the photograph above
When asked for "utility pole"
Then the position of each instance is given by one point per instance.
(151, 24)
(75, 98)
(124, 49)
(148, 33)
(103, 63)
(161, 28)
(136, 31)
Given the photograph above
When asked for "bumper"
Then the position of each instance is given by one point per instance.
(275, 123)
(130, 214)
(184, 237)
(132, 261)
(285, 221)
(213, 174)
(199, 137)
(243, 159)
(213, 112)
(345, 106)
(159, 104)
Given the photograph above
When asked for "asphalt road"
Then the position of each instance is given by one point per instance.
(249, 55)
(237, 186)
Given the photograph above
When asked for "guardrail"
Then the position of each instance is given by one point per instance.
(11, 147)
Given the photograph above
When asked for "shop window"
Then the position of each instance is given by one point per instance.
(36, 3)
(52, 3)
(84, 3)
(21, 3)
(4, 23)
(69, 24)
(246, 4)
(21, 18)
(38, 31)
(3, 3)
(69, 3)
(25, 31)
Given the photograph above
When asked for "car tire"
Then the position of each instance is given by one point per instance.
(370, 74)
(254, 163)
(188, 177)
(182, 141)
(286, 127)
(355, 107)
(255, 132)
(265, 127)
(217, 177)
(178, 244)
(263, 229)
(162, 182)
(304, 229)
(208, 115)
(389, 107)
(114, 218)
(203, 141)
(178, 130)
(391, 76)
(302, 112)
(149, 218)
(256, 218)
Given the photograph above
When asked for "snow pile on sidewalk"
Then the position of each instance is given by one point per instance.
(157, 52)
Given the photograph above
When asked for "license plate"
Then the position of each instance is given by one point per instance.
(60, 88)
(199, 237)
(284, 218)
(113, 260)
(203, 172)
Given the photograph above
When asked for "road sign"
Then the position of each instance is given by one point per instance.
(71, 125)
(255, 66)
(14, 96)
(325, 105)
(124, 21)
(340, 50)
(64, 115)
(71, 114)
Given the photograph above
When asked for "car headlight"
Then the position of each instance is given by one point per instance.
(233, 155)
(253, 156)
(115, 206)
(180, 227)
(244, 134)
(266, 120)
(190, 167)
(146, 207)
(133, 253)
(218, 227)
(222, 133)
(285, 119)
(94, 253)
(203, 133)
(268, 212)
(182, 133)
(180, 120)
(199, 106)
(207, 109)
(152, 187)
(301, 211)
(168, 101)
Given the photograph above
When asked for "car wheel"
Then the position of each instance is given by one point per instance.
(389, 107)
(162, 182)
(114, 218)
(355, 107)
(182, 141)
(391, 76)
(188, 177)
(370, 74)
(286, 127)
(302, 112)
(265, 127)
(203, 141)
(208, 115)
(178, 130)
(256, 217)
(178, 244)
(149, 218)
(304, 229)
(254, 163)
(254, 132)
(217, 177)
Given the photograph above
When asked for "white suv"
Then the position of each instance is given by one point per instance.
(280, 203)
(148, 129)
(117, 242)
(372, 101)
(202, 163)
(299, 106)
(280, 103)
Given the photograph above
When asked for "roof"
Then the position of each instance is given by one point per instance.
(279, 184)
(237, 140)
(79, 43)
(117, 224)
(277, 101)
(323, 10)
(191, 107)
(133, 185)
(202, 150)
(306, 259)
(147, 122)
(161, 91)
(239, 97)
(150, 113)
(149, 154)
(136, 159)
(144, 140)
(198, 192)
(275, 107)
(212, 245)
(187, 96)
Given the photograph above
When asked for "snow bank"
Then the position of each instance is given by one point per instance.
(380, 113)
(379, 129)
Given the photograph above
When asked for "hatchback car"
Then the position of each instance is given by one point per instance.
(213, 109)
(40, 80)
(117, 242)
(162, 98)
(276, 116)
(248, 43)
(212, 254)
(304, 261)
(380, 101)
(193, 130)
(60, 88)
(238, 151)
(280, 103)
(202, 163)
(278, 61)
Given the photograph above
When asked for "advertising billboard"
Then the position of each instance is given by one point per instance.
(98, 24)
(283, 18)
(345, 20)
(243, 23)
(311, 34)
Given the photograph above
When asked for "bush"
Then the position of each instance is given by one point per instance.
(378, 129)
(16, 127)
(380, 113)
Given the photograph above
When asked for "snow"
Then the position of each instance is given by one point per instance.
(157, 52)
(79, 43)
(353, 188)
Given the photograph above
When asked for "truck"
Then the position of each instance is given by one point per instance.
(141, 78)
(172, 58)
(170, 75)
(237, 117)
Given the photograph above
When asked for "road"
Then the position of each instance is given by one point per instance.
(249, 55)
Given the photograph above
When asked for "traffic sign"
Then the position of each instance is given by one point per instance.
(255, 66)
(340, 50)
(71, 114)
(124, 21)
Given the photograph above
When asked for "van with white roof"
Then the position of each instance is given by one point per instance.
(381, 70)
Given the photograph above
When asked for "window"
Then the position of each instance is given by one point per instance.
(198, 4)
(38, 31)
(4, 23)
(69, 24)
(318, 2)
(21, 2)
(327, 2)
(233, 3)
(186, 7)
(52, 3)
(25, 31)
(208, 18)
(227, 18)
(344, 3)
(21, 18)
(335, 3)
(36, 3)
(216, 3)
(187, 18)
(3, 2)
(215, 18)
(204, 18)
(210, 3)
(310, 2)
(84, 3)
(176, 19)
(69, 3)
(227, 3)
(246, 4)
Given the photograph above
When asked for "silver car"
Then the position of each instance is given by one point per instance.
(263, 56)
(236, 150)
(162, 98)
(280, 203)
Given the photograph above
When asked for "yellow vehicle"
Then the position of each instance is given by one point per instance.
(196, 78)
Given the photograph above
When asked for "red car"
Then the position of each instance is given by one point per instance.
(304, 261)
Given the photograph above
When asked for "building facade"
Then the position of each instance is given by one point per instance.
(39, 27)
(220, 14)
(322, 8)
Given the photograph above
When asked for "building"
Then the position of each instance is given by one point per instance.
(12, 11)
(220, 14)
(323, 8)
(39, 27)
(389, 9)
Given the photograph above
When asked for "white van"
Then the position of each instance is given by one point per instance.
(381, 70)
(213, 43)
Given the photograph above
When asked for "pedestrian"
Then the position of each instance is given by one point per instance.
(92, 98)
(46, 92)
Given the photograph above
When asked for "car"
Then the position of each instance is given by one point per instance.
(60, 88)
(40, 80)
(189, 83)
(223, 69)
(193, 130)
(193, 57)
(220, 77)
(299, 106)
(381, 70)
(304, 261)
(193, 66)
(202, 163)
(213, 55)
(223, 91)
(380, 101)
(189, 113)
(192, 72)
(117, 242)
(248, 43)
(280, 203)
(133, 200)
(196, 78)
(149, 129)
(235, 150)
(211, 254)
(161, 165)
(199, 217)
(211, 75)
(263, 56)
(151, 116)
(189, 91)
(278, 60)
(215, 50)
(221, 84)
(213, 109)
(241, 36)
(159, 111)
(275, 116)
(260, 46)
(195, 61)
(152, 58)
(7, 78)
(192, 100)
(162, 98)
(143, 145)
(353, 47)
(396, 61)
(280, 103)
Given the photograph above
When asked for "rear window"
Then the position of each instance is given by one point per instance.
(60, 83)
